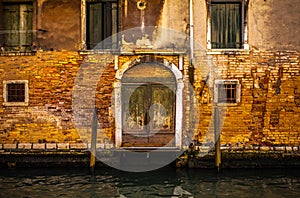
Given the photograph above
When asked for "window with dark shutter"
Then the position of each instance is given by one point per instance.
(17, 26)
(226, 25)
(101, 24)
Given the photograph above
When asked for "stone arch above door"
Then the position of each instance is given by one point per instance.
(178, 96)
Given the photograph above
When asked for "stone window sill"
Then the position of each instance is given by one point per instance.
(99, 51)
(228, 51)
(227, 104)
(15, 104)
(17, 53)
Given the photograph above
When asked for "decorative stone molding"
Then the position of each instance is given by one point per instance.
(179, 98)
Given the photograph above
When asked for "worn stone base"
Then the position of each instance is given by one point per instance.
(243, 157)
(78, 155)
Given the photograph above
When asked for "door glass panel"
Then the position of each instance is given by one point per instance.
(162, 108)
(148, 108)
(134, 108)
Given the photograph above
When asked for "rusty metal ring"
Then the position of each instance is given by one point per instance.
(141, 5)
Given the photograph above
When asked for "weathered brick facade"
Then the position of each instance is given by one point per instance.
(267, 113)
(48, 117)
(60, 71)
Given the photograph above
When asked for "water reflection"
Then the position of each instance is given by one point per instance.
(166, 182)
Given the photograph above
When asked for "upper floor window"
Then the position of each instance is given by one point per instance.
(16, 26)
(101, 24)
(227, 25)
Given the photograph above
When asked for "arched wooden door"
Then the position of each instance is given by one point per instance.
(148, 106)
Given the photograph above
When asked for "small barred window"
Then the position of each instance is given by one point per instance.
(227, 91)
(15, 93)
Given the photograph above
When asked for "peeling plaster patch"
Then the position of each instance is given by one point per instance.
(255, 23)
(40, 2)
(173, 17)
(272, 26)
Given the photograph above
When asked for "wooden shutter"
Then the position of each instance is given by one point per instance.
(101, 25)
(11, 26)
(226, 25)
(25, 26)
(114, 26)
(18, 26)
(94, 24)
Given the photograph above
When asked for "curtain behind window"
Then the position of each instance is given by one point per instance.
(226, 19)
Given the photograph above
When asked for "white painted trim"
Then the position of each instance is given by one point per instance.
(180, 62)
(191, 31)
(83, 24)
(179, 112)
(208, 32)
(179, 102)
(116, 62)
(118, 113)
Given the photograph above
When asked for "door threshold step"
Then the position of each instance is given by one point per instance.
(149, 149)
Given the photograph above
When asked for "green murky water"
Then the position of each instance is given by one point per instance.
(166, 182)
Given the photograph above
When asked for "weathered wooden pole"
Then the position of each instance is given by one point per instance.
(93, 140)
(217, 138)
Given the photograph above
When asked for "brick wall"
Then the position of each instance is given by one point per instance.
(48, 118)
(64, 89)
(268, 113)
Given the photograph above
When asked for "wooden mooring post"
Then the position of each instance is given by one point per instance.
(94, 140)
(217, 134)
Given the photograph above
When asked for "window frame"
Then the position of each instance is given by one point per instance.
(244, 25)
(224, 82)
(32, 47)
(84, 25)
(5, 93)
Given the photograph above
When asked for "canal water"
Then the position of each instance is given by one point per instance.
(165, 182)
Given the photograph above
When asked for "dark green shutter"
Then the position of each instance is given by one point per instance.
(11, 26)
(94, 24)
(226, 27)
(25, 26)
(101, 25)
(18, 26)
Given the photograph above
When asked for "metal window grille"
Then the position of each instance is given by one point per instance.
(16, 92)
(227, 93)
